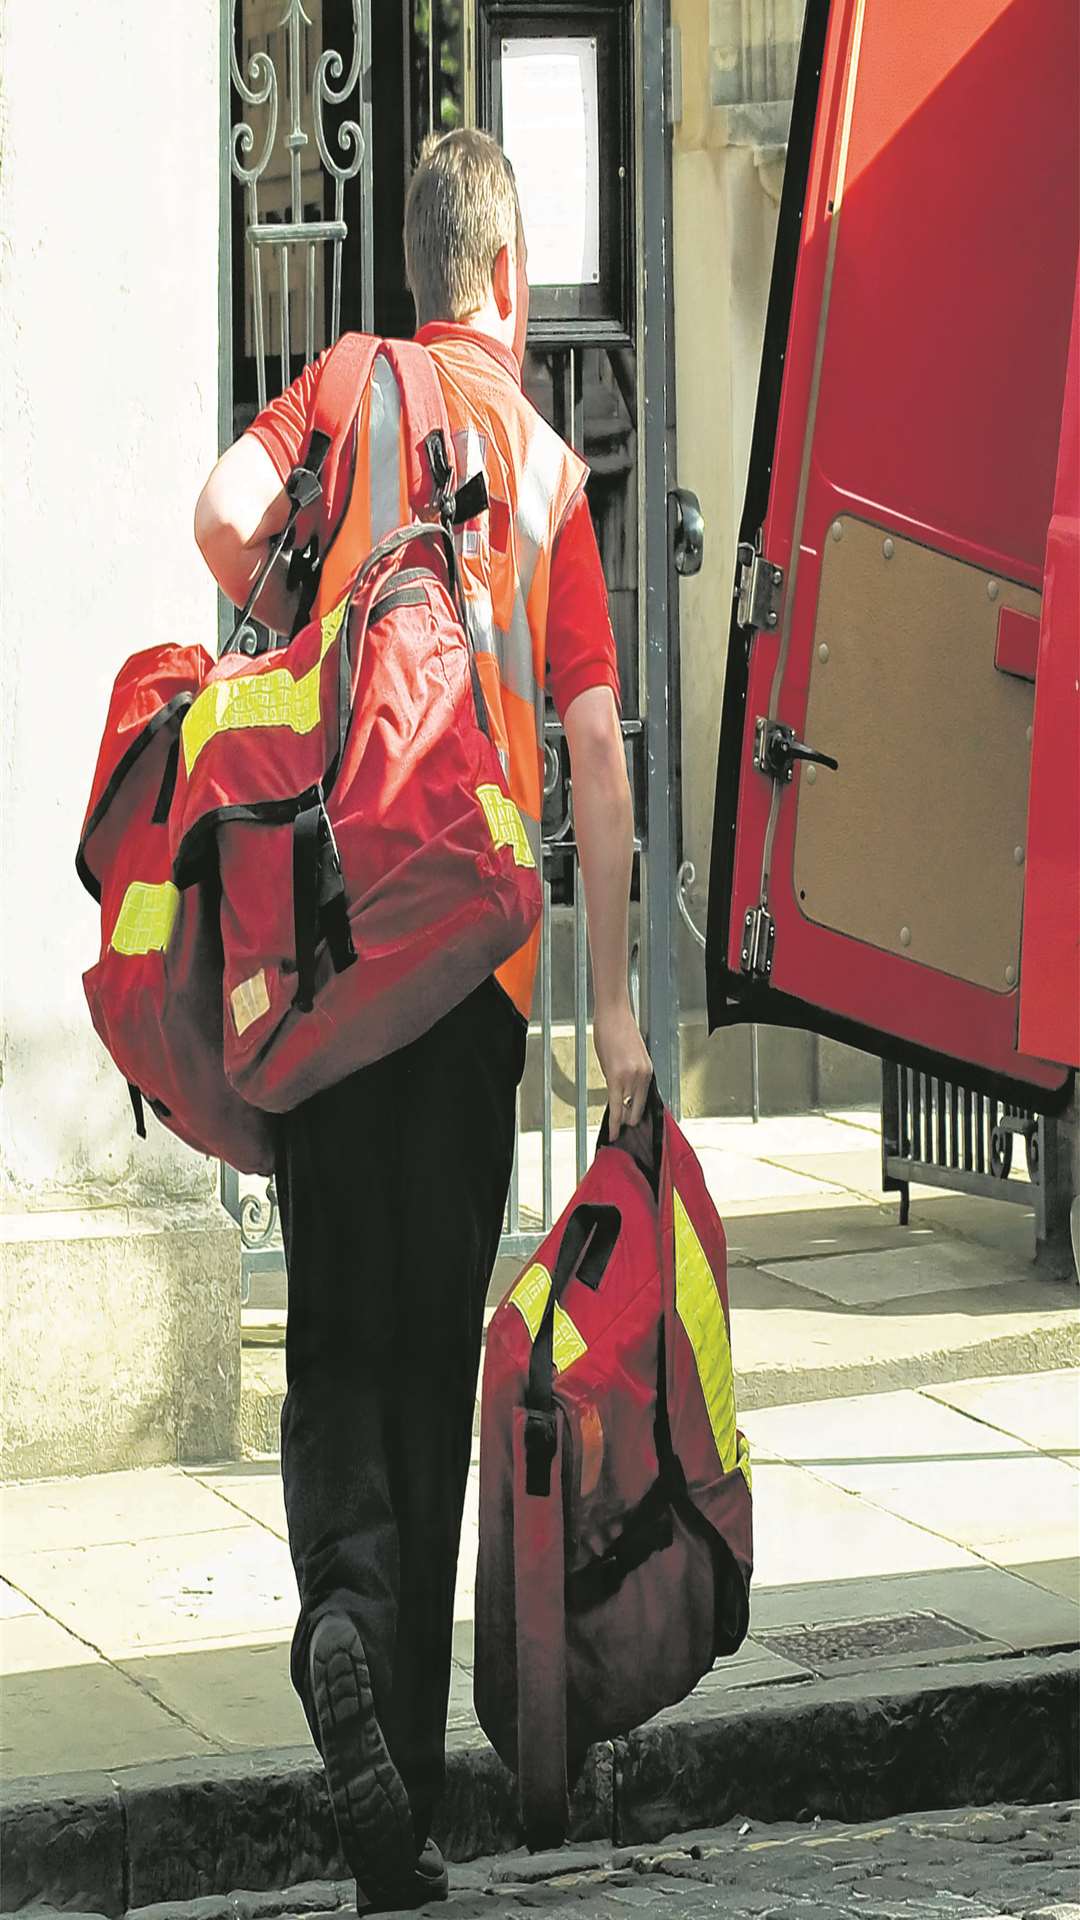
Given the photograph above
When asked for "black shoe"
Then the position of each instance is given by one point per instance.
(371, 1806)
(430, 1874)
(429, 1882)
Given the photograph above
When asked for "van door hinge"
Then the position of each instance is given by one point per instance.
(759, 936)
(760, 587)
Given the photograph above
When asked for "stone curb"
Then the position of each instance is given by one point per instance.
(855, 1749)
(1040, 1349)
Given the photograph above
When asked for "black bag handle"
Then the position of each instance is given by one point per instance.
(588, 1243)
(645, 1142)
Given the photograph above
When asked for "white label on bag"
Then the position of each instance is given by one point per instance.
(249, 1001)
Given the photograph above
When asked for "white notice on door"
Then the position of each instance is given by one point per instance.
(551, 133)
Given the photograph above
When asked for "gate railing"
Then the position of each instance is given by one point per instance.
(943, 1135)
(297, 146)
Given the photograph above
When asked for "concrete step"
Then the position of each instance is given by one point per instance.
(791, 1353)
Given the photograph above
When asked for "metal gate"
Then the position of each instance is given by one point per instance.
(299, 246)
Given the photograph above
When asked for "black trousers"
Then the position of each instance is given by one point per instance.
(392, 1186)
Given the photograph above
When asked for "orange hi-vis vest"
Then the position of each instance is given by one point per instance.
(505, 554)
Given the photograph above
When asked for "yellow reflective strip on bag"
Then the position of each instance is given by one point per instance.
(530, 1297)
(505, 824)
(145, 919)
(701, 1311)
(271, 699)
(744, 1462)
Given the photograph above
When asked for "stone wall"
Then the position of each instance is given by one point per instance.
(108, 412)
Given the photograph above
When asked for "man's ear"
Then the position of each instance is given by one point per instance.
(502, 282)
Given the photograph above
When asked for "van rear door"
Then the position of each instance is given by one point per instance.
(871, 834)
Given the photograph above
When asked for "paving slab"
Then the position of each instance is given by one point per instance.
(253, 1487)
(873, 1278)
(65, 1708)
(856, 1168)
(907, 1429)
(910, 1456)
(776, 1135)
(800, 1233)
(1058, 1577)
(807, 1531)
(754, 1665)
(235, 1696)
(868, 1118)
(163, 1593)
(1003, 1224)
(998, 1605)
(1044, 1411)
(1013, 1512)
(734, 1179)
(13, 1603)
(150, 1503)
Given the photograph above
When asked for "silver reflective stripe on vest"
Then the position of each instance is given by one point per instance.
(384, 433)
(513, 651)
(539, 486)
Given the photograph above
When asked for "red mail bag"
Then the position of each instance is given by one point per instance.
(374, 868)
(155, 992)
(615, 1491)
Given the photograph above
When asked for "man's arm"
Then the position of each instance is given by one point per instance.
(604, 830)
(240, 510)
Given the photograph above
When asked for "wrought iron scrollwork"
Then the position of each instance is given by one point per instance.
(684, 882)
(260, 89)
(350, 138)
(258, 1217)
(342, 149)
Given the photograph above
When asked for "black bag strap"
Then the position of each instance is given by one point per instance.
(647, 1530)
(303, 487)
(587, 1245)
(168, 784)
(320, 910)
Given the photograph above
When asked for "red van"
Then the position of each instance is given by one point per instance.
(896, 850)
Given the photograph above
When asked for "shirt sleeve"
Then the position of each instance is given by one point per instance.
(282, 425)
(580, 642)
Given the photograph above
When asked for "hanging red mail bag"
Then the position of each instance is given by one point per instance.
(155, 992)
(615, 1506)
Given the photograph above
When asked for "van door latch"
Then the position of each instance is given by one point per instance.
(776, 750)
(760, 586)
(759, 938)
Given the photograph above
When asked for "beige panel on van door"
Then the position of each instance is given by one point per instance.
(917, 844)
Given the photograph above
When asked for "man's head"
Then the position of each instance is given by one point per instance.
(464, 245)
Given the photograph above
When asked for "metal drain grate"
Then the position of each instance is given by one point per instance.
(887, 1637)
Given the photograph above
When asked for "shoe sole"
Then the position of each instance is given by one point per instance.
(371, 1807)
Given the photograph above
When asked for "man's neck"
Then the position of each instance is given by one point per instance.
(486, 320)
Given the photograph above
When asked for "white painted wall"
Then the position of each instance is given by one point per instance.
(108, 418)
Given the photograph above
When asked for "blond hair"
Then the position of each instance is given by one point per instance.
(461, 208)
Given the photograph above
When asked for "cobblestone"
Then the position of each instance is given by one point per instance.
(1001, 1863)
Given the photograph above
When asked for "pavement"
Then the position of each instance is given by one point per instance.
(912, 1400)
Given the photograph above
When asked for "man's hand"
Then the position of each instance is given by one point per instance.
(604, 830)
(625, 1064)
(241, 509)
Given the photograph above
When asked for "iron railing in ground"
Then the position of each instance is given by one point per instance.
(943, 1135)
